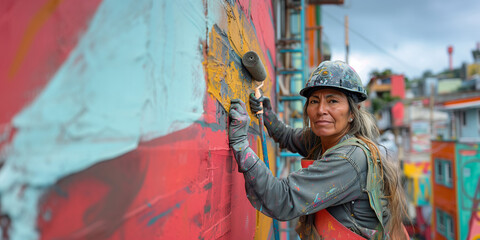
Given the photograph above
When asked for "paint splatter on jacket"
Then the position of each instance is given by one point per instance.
(336, 181)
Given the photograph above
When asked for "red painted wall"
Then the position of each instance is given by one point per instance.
(398, 111)
(398, 90)
(36, 40)
(173, 187)
(184, 185)
(398, 86)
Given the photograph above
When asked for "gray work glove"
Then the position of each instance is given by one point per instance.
(239, 121)
(255, 103)
(237, 136)
(270, 119)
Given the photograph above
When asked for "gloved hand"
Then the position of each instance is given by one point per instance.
(239, 121)
(255, 103)
(237, 135)
(270, 119)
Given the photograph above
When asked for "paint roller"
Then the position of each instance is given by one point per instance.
(255, 67)
(251, 61)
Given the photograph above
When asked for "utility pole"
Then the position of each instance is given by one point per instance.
(346, 39)
(432, 100)
(450, 62)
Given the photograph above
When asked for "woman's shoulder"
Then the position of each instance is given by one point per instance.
(353, 147)
(350, 150)
(349, 145)
(349, 142)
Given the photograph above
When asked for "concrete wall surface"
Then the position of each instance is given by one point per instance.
(113, 121)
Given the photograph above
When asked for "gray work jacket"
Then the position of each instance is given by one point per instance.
(335, 182)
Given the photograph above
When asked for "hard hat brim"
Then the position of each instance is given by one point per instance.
(357, 96)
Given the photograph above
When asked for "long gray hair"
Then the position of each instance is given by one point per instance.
(363, 127)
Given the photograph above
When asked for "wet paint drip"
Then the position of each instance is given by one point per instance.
(163, 214)
(330, 191)
(316, 198)
(247, 156)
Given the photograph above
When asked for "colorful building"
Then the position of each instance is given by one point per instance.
(415, 154)
(419, 193)
(456, 173)
(390, 114)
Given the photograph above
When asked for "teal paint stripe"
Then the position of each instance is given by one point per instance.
(136, 74)
(163, 214)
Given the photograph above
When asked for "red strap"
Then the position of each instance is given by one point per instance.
(305, 163)
(330, 228)
(327, 226)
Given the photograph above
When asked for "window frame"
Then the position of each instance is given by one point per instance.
(443, 172)
(445, 225)
(478, 120)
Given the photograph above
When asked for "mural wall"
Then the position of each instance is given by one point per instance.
(444, 197)
(113, 118)
(418, 187)
(468, 172)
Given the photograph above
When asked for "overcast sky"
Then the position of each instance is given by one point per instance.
(406, 36)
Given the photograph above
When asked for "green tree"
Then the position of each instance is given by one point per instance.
(381, 102)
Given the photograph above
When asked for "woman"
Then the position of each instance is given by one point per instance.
(349, 184)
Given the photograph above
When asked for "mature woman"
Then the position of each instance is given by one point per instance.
(349, 189)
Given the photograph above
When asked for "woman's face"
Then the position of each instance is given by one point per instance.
(329, 113)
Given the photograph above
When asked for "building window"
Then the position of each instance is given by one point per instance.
(443, 172)
(464, 117)
(478, 116)
(445, 226)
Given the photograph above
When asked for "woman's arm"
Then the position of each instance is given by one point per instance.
(330, 181)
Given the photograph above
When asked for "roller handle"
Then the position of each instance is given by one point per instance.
(257, 96)
(255, 67)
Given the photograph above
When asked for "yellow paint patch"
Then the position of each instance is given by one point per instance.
(225, 77)
(330, 226)
(224, 82)
(240, 33)
(415, 172)
(271, 154)
(259, 148)
(264, 224)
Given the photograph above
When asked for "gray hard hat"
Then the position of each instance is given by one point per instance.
(336, 74)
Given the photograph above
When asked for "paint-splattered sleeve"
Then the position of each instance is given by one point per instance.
(287, 137)
(330, 181)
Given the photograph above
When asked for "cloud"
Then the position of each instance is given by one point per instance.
(406, 36)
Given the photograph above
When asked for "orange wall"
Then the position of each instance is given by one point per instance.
(310, 36)
(443, 197)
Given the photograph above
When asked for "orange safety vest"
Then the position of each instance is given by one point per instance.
(327, 226)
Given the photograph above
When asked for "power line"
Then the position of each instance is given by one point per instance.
(369, 41)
